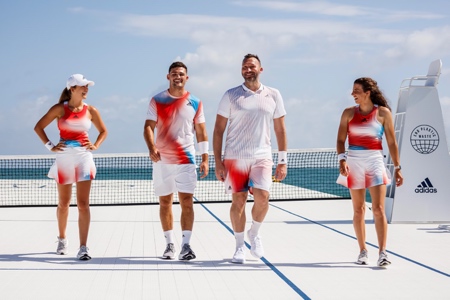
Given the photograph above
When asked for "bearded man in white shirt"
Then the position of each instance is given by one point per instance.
(248, 111)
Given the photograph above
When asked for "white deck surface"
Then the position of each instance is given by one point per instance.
(310, 252)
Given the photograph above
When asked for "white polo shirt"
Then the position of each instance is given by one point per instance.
(250, 115)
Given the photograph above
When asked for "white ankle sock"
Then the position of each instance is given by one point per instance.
(239, 236)
(254, 229)
(169, 236)
(186, 237)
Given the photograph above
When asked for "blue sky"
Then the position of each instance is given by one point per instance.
(310, 50)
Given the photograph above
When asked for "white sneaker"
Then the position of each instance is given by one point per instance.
(256, 249)
(363, 258)
(83, 253)
(239, 256)
(383, 260)
(186, 253)
(169, 253)
(62, 246)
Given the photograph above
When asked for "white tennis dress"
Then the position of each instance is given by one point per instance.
(74, 163)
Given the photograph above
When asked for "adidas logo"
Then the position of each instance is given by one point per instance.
(229, 187)
(189, 103)
(426, 187)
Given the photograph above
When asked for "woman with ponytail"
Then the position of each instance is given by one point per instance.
(74, 161)
(363, 167)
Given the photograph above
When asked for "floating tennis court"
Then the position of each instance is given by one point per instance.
(309, 242)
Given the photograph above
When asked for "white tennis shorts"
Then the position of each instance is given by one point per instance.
(366, 169)
(245, 173)
(73, 164)
(171, 178)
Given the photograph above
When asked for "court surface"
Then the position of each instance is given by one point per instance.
(310, 251)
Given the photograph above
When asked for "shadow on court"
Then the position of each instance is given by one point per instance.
(148, 264)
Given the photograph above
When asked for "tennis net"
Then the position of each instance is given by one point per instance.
(127, 179)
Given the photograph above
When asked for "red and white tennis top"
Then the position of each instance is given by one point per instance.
(175, 119)
(365, 132)
(74, 126)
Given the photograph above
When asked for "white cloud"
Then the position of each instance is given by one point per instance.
(18, 122)
(312, 121)
(317, 7)
(216, 38)
(76, 9)
(428, 42)
(233, 30)
(327, 8)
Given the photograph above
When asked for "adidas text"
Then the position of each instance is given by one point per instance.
(426, 190)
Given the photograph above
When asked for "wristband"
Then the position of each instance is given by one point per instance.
(282, 157)
(49, 145)
(342, 156)
(203, 147)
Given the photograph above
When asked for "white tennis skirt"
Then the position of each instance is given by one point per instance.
(73, 164)
(366, 169)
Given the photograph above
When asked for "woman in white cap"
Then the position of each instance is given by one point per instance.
(74, 161)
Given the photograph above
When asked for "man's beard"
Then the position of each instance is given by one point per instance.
(251, 78)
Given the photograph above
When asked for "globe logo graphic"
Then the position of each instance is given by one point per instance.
(424, 139)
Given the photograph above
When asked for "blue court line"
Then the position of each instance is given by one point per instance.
(265, 261)
(375, 246)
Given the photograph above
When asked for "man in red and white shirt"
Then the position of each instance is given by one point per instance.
(249, 110)
(177, 117)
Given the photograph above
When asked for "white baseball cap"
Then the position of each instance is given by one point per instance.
(78, 79)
